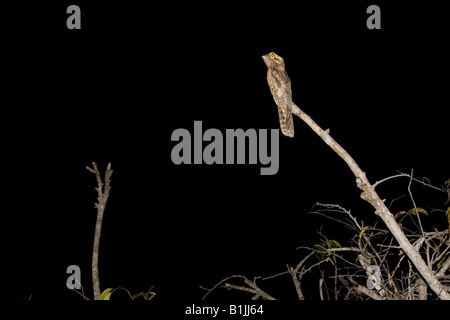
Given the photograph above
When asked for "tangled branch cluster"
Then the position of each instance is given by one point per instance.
(371, 266)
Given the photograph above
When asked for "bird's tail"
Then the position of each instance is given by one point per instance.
(286, 123)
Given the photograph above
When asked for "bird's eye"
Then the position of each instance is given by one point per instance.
(272, 56)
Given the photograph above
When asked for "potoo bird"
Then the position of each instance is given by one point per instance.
(280, 86)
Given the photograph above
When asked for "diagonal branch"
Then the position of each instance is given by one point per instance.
(295, 277)
(370, 195)
(368, 292)
(252, 288)
(445, 266)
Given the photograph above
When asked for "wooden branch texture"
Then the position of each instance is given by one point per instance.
(370, 195)
(103, 194)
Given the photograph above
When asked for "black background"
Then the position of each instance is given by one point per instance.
(115, 91)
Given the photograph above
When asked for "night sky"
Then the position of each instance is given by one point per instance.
(115, 91)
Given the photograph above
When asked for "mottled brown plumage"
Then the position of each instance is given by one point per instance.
(280, 87)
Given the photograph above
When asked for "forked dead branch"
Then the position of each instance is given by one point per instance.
(103, 194)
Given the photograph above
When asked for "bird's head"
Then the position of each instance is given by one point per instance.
(272, 60)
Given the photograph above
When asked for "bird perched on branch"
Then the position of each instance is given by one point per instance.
(280, 87)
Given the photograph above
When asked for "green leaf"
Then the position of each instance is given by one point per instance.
(320, 251)
(138, 295)
(143, 294)
(398, 214)
(106, 294)
(362, 231)
(422, 210)
(419, 209)
(334, 244)
(440, 262)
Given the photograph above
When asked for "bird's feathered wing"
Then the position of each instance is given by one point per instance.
(280, 87)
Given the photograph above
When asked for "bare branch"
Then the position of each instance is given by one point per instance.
(296, 281)
(370, 195)
(102, 198)
(256, 291)
(80, 293)
(218, 284)
(422, 289)
(321, 281)
(302, 262)
(444, 267)
(369, 292)
(414, 204)
(252, 288)
(275, 275)
(335, 207)
(391, 177)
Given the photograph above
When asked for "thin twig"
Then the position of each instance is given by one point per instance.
(219, 283)
(275, 275)
(82, 290)
(391, 177)
(414, 204)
